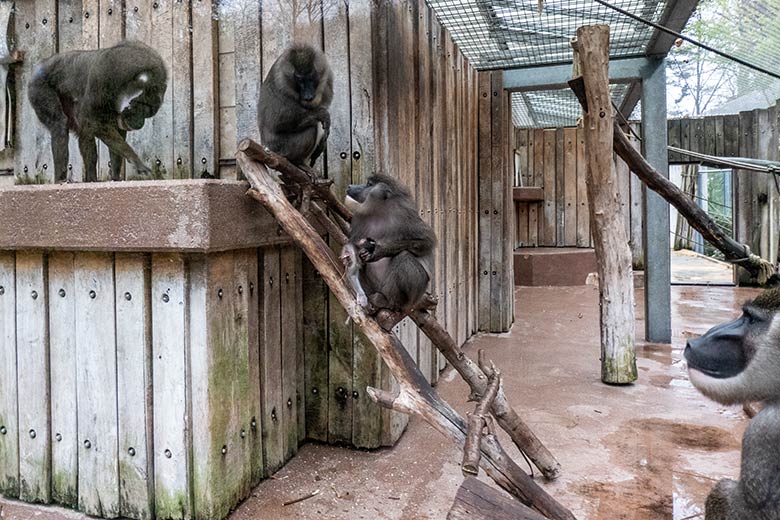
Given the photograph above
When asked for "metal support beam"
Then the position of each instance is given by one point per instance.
(552, 77)
(658, 314)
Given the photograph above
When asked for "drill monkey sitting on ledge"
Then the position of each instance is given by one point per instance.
(737, 362)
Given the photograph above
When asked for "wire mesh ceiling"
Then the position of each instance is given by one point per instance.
(500, 34)
(553, 108)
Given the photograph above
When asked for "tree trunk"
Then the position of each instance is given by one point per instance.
(616, 284)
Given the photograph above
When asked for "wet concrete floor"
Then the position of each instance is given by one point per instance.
(651, 450)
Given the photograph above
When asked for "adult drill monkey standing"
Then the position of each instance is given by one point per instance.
(292, 111)
(737, 362)
(389, 257)
(100, 94)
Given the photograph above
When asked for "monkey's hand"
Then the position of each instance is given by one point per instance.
(346, 259)
(367, 249)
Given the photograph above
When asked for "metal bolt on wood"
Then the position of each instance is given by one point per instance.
(168, 454)
(58, 437)
(87, 444)
(131, 451)
(32, 434)
(92, 294)
(61, 292)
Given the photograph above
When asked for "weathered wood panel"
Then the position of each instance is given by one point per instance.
(170, 370)
(134, 384)
(64, 416)
(32, 358)
(9, 422)
(97, 385)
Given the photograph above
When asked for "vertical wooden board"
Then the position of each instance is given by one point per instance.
(424, 148)
(497, 215)
(315, 339)
(720, 135)
(134, 384)
(9, 424)
(274, 435)
(570, 186)
(339, 168)
(685, 137)
(452, 192)
(221, 395)
(366, 419)
(152, 23)
(522, 208)
(300, 349)
(583, 215)
(249, 61)
(98, 483)
(474, 200)
(181, 88)
(289, 270)
(560, 185)
(731, 136)
(743, 205)
(32, 354)
(170, 370)
(205, 70)
(35, 32)
(697, 137)
(64, 418)
(507, 264)
(548, 228)
(248, 266)
(674, 136)
(709, 135)
(485, 200)
(536, 178)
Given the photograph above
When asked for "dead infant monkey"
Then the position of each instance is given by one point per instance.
(389, 256)
(101, 94)
(292, 111)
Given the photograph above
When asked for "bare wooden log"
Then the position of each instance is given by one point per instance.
(506, 416)
(762, 270)
(332, 229)
(295, 174)
(616, 284)
(476, 423)
(415, 395)
(476, 500)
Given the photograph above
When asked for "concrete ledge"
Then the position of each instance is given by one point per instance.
(186, 216)
(537, 266)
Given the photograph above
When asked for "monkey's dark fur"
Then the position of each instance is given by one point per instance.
(292, 111)
(393, 244)
(98, 94)
(737, 362)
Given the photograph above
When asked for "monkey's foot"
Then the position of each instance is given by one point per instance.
(388, 319)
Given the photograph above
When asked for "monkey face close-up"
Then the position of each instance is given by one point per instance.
(739, 361)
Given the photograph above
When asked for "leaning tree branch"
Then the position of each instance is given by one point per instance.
(477, 422)
(509, 420)
(735, 252)
(415, 394)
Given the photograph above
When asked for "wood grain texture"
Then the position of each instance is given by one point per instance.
(64, 416)
(32, 358)
(172, 443)
(98, 482)
(9, 419)
(134, 384)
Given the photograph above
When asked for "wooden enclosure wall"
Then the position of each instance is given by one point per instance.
(149, 385)
(406, 103)
(554, 159)
(495, 212)
(756, 203)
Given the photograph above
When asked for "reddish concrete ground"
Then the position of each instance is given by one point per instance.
(650, 450)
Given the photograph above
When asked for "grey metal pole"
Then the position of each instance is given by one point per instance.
(658, 314)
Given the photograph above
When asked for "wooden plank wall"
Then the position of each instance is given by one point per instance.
(756, 200)
(554, 159)
(406, 103)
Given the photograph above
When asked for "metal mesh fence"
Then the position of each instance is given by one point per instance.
(497, 34)
(553, 108)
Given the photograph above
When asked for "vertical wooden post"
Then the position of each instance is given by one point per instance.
(616, 289)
